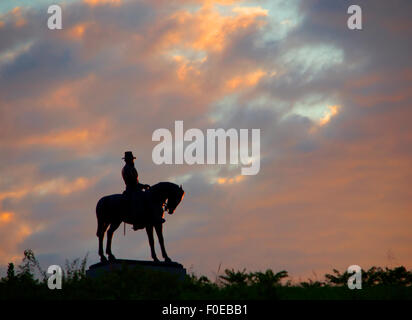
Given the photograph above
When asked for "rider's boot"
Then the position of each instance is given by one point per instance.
(138, 226)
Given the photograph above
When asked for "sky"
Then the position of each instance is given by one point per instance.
(333, 106)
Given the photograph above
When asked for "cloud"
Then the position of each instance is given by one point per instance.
(331, 112)
(6, 217)
(93, 3)
(70, 138)
(247, 80)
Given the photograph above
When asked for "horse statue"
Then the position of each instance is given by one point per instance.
(112, 210)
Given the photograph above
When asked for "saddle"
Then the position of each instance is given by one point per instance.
(138, 210)
(135, 207)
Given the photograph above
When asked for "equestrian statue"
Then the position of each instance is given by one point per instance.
(140, 205)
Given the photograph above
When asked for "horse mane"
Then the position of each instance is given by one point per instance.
(168, 187)
(165, 184)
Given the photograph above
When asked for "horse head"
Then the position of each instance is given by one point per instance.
(173, 201)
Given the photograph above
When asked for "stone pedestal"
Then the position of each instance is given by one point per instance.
(170, 267)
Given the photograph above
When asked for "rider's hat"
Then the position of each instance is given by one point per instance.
(128, 155)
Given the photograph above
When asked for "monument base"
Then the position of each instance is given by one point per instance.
(169, 267)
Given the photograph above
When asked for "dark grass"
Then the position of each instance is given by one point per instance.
(143, 284)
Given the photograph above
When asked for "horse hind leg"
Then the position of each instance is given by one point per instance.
(101, 230)
(110, 232)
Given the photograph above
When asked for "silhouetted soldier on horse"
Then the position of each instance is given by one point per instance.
(141, 209)
(133, 190)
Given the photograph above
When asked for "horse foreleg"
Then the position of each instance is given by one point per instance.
(110, 232)
(159, 232)
(149, 231)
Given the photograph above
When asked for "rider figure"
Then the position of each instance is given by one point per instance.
(133, 186)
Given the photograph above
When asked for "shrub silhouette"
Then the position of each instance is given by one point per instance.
(29, 281)
(375, 276)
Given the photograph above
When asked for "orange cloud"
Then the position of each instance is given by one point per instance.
(62, 187)
(185, 67)
(17, 232)
(69, 138)
(233, 180)
(247, 80)
(331, 112)
(222, 2)
(62, 96)
(13, 194)
(77, 31)
(251, 11)
(375, 99)
(67, 94)
(13, 231)
(207, 29)
(366, 80)
(379, 80)
(19, 20)
(5, 217)
(94, 3)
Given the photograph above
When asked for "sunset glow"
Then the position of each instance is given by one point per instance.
(5, 217)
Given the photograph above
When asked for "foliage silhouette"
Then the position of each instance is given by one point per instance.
(143, 284)
(374, 276)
